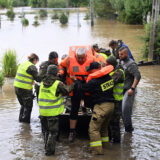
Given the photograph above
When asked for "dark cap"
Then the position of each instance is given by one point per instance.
(52, 69)
(112, 61)
(95, 46)
(93, 65)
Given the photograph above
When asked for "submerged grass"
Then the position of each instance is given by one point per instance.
(1, 78)
(9, 63)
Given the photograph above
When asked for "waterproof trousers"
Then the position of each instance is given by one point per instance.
(127, 105)
(114, 125)
(25, 98)
(50, 127)
(98, 127)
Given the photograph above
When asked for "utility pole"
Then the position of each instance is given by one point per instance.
(154, 21)
(92, 12)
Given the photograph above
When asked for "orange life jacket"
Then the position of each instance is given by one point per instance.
(74, 68)
(100, 73)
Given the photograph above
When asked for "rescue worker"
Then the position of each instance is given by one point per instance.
(100, 86)
(99, 57)
(51, 105)
(76, 64)
(104, 52)
(132, 78)
(116, 45)
(118, 76)
(52, 59)
(23, 83)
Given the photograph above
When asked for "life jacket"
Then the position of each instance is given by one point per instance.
(74, 68)
(102, 72)
(23, 79)
(49, 103)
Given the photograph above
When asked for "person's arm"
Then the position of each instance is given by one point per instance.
(118, 76)
(63, 66)
(133, 69)
(32, 70)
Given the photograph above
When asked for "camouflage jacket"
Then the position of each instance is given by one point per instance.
(62, 88)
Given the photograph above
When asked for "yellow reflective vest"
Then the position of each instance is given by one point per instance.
(23, 79)
(118, 88)
(49, 103)
(104, 55)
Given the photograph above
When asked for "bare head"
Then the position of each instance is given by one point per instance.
(81, 55)
(123, 52)
(53, 57)
(113, 44)
(33, 58)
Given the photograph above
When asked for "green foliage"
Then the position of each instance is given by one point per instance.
(157, 39)
(9, 63)
(36, 23)
(43, 13)
(63, 19)
(56, 3)
(103, 8)
(132, 11)
(35, 3)
(55, 16)
(10, 13)
(16, 3)
(3, 3)
(1, 78)
(25, 22)
(79, 3)
(87, 16)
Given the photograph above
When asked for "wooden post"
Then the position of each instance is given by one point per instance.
(92, 12)
(154, 21)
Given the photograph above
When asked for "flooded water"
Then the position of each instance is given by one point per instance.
(24, 142)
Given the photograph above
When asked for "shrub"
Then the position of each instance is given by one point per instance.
(63, 19)
(10, 13)
(36, 23)
(1, 78)
(25, 22)
(42, 13)
(55, 16)
(9, 63)
(87, 16)
(56, 3)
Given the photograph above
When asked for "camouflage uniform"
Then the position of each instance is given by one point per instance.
(42, 73)
(25, 97)
(114, 126)
(50, 125)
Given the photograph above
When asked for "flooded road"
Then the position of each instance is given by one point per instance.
(24, 142)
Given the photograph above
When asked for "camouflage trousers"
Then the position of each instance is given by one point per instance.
(98, 127)
(50, 127)
(114, 126)
(25, 98)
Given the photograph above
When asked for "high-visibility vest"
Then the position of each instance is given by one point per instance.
(49, 103)
(23, 79)
(102, 72)
(118, 88)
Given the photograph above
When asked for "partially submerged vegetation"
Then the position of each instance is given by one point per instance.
(25, 22)
(10, 13)
(63, 19)
(1, 78)
(43, 13)
(9, 63)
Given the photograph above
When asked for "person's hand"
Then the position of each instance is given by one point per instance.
(73, 77)
(130, 92)
(58, 74)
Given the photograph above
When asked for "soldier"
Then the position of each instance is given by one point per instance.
(51, 105)
(52, 59)
(118, 76)
(23, 83)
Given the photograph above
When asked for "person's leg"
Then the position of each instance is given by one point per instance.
(127, 105)
(75, 102)
(115, 122)
(53, 123)
(108, 108)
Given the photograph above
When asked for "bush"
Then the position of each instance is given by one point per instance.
(1, 78)
(9, 63)
(36, 23)
(55, 16)
(63, 19)
(43, 13)
(10, 13)
(56, 3)
(87, 16)
(25, 22)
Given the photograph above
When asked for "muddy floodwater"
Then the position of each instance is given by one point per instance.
(20, 141)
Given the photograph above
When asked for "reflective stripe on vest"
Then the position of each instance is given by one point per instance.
(49, 104)
(105, 139)
(23, 79)
(118, 89)
(95, 143)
